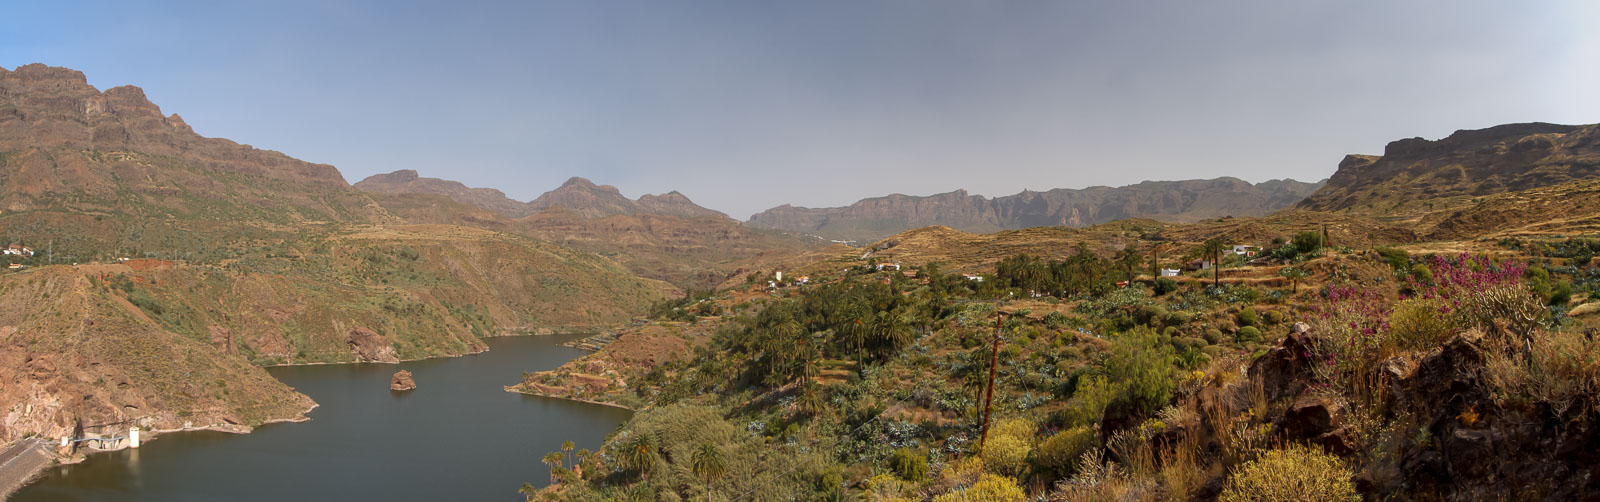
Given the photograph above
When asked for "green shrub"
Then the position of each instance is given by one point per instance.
(1137, 374)
(1165, 285)
(1308, 242)
(1060, 455)
(1177, 319)
(1416, 324)
(1008, 447)
(1272, 316)
(1248, 334)
(1395, 257)
(142, 299)
(1295, 473)
(1213, 336)
(1422, 273)
(1149, 314)
(1248, 317)
(988, 488)
(909, 465)
(1561, 293)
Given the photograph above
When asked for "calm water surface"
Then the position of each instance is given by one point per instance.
(458, 436)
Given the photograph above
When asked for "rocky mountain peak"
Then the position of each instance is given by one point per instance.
(46, 77)
(579, 182)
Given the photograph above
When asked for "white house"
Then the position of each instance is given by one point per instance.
(888, 266)
(974, 278)
(1169, 272)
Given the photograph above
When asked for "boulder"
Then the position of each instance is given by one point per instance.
(1310, 417)
(1286, 369)
(402, 381)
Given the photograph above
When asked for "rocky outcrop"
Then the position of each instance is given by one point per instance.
(1468, 163)
(1175, 201)
(370, 347)
(402, 381)
(1464, 437)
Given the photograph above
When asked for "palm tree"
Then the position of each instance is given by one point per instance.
(811, 399)
(566, 448)
(857, 330)
(1294, 275)
(1213, 248)
(528, 491)
(708, 464)
(1155, 260)
(783, 349)
(1129, 259)
(583, 456)
(554, 460)
(639, 454)
(890, 333)
(811, 354)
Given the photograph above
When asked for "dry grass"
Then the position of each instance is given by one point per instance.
(1557, 367)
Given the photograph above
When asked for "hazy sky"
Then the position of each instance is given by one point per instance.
(743, 105)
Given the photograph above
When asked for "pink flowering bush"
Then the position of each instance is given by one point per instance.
(1359, 325)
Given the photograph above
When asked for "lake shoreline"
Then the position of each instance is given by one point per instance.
(510, 389)
(47, 477)
(539, 332)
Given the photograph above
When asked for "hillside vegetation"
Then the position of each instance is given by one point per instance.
(1343, 371)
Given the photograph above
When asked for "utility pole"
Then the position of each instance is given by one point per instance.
(994, 359)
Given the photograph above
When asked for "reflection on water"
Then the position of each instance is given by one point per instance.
(458, 436)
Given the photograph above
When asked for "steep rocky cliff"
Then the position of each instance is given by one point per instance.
(1173, 201)
(1418, 175)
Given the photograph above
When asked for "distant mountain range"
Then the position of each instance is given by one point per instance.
(577, 194)
(666, 237)
(1171, 201)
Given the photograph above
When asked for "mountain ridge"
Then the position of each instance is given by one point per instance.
(1181, 201)
(577, 194)
(1416, 175)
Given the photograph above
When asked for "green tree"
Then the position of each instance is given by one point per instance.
(1294, 275)
(528, 491)
(1308, 242)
